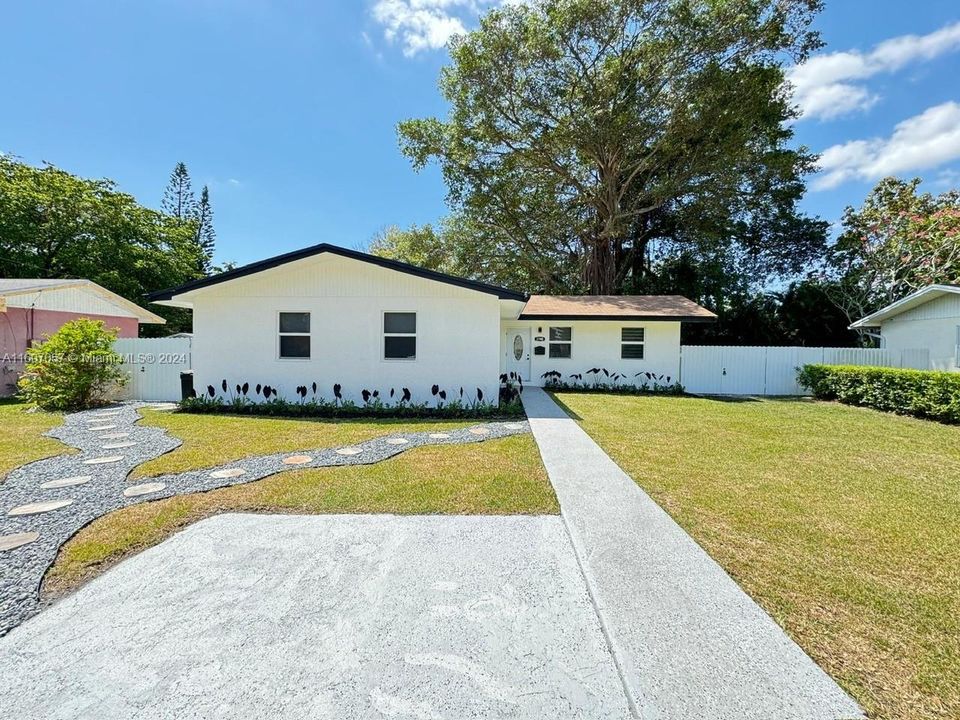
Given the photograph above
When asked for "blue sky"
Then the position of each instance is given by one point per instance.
(287, 109)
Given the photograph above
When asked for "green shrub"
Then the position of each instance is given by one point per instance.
(921, 393)
(74, 368)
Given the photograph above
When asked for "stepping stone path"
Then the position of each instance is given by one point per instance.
(67, 482)
(144, 489)
(103, 460)
(231, 473)
(39, 507)
(34, 525)
(12, 542)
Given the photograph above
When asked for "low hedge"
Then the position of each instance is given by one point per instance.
(318, 408)
(921, 393)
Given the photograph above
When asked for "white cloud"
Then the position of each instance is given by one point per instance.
(419, 25)
(422, 24)
(928, 140)
(826, 85)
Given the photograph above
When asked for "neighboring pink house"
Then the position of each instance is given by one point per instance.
(31, 309)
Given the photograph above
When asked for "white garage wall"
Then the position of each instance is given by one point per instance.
(596, 343)
(236, 331)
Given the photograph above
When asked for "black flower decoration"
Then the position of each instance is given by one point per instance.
(406, 394)
(366, 395)
(210, 391)
(434, 390)
(224, 385)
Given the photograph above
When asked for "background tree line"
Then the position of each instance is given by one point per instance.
(56, 225)
(645, 146)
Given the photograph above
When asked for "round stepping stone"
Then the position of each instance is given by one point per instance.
(297, 460)
(66, 482)
(101, 428)
(228, 473)
(397, 441)
(12, 542)
(513, 426)
(144, 489)
(103, 460)
(480, 431)
(439, 436)
(112, 413)
(117, 446)
(39, 507)
(349, 451)
(114, 436)
(164, 407)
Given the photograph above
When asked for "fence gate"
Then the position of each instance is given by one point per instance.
(735, 370)
(154, 366)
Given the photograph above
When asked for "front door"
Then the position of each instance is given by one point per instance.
(518, 353)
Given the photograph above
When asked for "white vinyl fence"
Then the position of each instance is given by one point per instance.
(730, 370)
(154, 366)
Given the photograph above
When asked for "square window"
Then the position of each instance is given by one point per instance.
(399, 336)
(295, 346)
(560, 342)
(561, 334)
(560, 350)
(294, 322)
(399, 323)
(400, 347)
(294, 331)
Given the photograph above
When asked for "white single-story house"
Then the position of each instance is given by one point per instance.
(329, 315)
(923, 324)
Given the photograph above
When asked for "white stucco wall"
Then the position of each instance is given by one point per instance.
(597, 344)
(931, 326)
(236, 331)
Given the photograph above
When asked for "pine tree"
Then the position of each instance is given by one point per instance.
(206, 236)
(178, 200)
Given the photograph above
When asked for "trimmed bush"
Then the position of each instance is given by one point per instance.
(74, 369)
(921, 393)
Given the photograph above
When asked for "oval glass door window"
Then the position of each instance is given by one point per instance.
(517, 346)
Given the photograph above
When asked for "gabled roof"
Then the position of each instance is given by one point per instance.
(12, 287)
(614, 307)
(253, 268)
(932, 292)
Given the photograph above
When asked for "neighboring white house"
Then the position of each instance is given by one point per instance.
(926, 323)
(330, 315)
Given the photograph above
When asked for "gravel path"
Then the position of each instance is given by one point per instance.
(43, 504)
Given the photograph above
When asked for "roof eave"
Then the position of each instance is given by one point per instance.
(644, 318)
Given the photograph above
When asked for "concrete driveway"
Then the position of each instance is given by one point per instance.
(244, 616)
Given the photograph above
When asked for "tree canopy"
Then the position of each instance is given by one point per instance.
(589, 140)
(57, 225)
(898, 241)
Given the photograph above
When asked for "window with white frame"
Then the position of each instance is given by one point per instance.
(294, 334)
(631, 343)
(956, 360)
(561, 342)
(399, 336)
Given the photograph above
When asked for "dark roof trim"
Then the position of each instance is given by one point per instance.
(623, 318)
(269, 263)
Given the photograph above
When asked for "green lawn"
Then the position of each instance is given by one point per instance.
(499, 477)
(21, 435)
(843, 523)
(211, 440)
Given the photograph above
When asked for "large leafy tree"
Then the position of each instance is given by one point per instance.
(898, 241)
(613, 133)
(56, 225)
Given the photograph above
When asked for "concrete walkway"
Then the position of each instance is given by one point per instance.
(689, 643)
